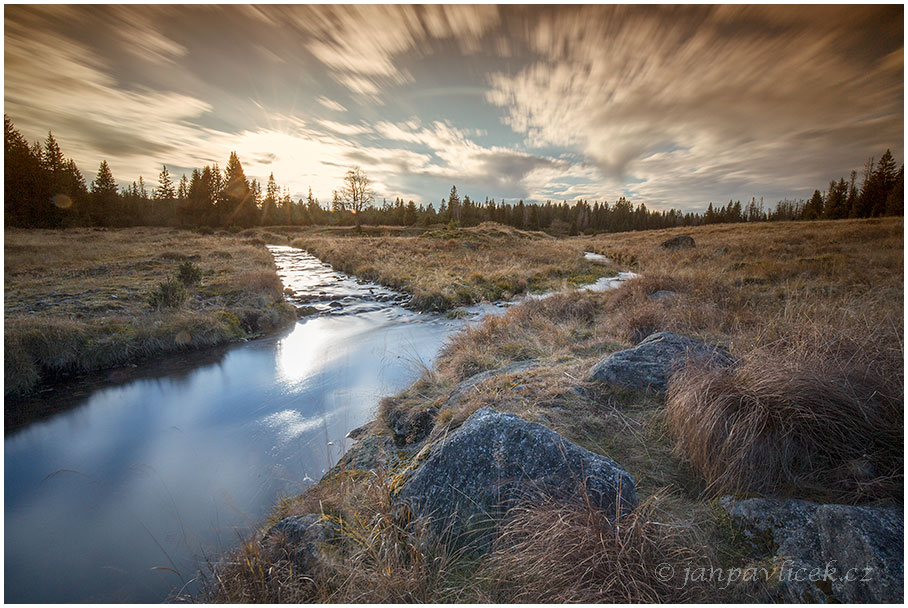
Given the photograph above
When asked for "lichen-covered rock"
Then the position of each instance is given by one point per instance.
(679, 242)
(465, 387)
(297, 538)
(650, 364)
(412, 426)
(824, 553)
(494, 461)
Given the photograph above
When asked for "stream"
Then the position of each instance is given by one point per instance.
(149, 472)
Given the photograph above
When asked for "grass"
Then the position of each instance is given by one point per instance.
(813, 311)
(88, 299)
(446, 268)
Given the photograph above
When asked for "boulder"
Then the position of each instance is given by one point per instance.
(679, 242)
(650, 364)
(663, 294)
(494, 461)
(412, 426)
(825, 552)
(465, 387)
(297, 539)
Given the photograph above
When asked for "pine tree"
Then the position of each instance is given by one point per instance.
(104, 197)
(884, 181)
(454, 210)
(895, 202)
(25, 187)
(183, 189)
(238, 196)
(814, 208)
(164, 191)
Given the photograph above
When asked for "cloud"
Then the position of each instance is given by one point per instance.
(363, 44)
(676, 106)
(91, 115)
(714, 85)
(331, 104)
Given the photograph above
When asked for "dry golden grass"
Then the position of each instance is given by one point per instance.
(77, 300)
(813, 311)
(570, 553)
(447, 268)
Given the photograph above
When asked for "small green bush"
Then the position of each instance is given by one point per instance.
(189, 273)
(169, 294)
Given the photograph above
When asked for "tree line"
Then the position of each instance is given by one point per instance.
(44, 189)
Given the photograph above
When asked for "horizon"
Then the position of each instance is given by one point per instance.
(675, 107)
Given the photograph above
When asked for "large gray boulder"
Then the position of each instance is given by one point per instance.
(650, 364)
(825, 553)
(493, 462)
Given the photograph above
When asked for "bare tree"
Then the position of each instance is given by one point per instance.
(357, 192)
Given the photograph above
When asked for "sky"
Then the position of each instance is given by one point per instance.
(673, 106)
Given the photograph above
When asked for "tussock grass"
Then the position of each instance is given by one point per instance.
(78, 300)
(570, 553)
(782, 424)
(447, 268)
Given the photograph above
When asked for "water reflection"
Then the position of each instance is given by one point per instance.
(121, 497)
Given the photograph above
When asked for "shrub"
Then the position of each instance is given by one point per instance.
(189, 273)
(169, 294)
(780, 423)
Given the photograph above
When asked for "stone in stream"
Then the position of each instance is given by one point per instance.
(305, 311)
(679, 242)
(650, 364)
(494, 461)
(813, 547)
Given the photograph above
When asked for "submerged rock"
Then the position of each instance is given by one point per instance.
(494, 461)
(649, 364)
(679, 242)
(825, 553)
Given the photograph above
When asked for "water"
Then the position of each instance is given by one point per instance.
(150, 471)
(121, 497)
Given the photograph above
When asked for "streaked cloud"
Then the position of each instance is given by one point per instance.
(331, 104)
(674, 106)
